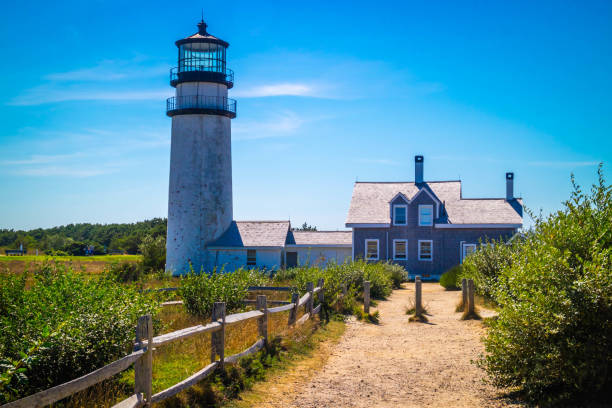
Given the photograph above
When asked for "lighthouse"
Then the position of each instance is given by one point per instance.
(200, 188)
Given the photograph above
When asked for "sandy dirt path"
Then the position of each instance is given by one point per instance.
(400, 364)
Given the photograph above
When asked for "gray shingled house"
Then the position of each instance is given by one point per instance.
(273, 245)
(427, 226)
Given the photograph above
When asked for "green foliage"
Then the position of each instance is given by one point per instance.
(553, 336)
(153, 250)
(63, 326)
(399, 275)
(200, 290)
(125, 272)
(485, 265)
(122, 237)
(451, 278)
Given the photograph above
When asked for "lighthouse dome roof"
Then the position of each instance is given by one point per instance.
(202, 36)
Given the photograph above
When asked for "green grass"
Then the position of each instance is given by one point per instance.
(94, 258)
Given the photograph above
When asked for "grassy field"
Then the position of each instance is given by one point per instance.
(89, 264)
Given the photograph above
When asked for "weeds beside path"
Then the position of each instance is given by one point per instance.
(397, 363)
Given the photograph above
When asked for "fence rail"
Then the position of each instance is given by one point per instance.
(142, 357)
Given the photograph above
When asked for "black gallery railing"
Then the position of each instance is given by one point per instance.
(194, 104)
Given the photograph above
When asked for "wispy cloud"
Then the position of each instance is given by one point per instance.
(40, 159)
(279, 125)
(280, 89)
(111, 70)
(53, 94)
(64, 171)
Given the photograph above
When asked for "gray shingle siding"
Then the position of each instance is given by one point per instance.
(446, 244)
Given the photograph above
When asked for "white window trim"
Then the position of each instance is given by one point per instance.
(405, 207)
(400, 240)
(419, 250)
(377, 250)
(463, 245)
(432, 215)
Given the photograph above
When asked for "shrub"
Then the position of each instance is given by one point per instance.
(124, 272)
(153, 253)
(553, 336)
(66, 324)
(451, 278)
(200, 291)
(399, 275)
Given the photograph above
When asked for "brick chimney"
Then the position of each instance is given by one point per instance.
(418, 169)
(509, 186)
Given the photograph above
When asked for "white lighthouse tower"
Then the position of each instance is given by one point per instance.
(200, 193)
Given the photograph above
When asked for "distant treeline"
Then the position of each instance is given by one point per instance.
(73, 239)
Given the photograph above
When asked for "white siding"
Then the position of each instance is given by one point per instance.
(231, 259)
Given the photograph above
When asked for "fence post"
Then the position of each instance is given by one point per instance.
(366, 296)
(310, 304)
(320, 284)
(143, 367)
(418, 297)
(217, 339)
(262, 322)
(464, 294)
(471, 306)
(295, 298)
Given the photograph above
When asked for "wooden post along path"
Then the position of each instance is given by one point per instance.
(310, 304)
(143, 367)
(418, 298)
(366, 296)
(294, 311)
(262, 323)
(464, 294)
(470, 305)
(217, 339)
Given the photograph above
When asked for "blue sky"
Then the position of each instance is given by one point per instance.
(328, 93)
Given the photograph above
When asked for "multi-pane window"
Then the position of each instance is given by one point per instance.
(251, 257)
(400, 249)
(466, 250)
(399, 214)
(426, 215)
(425, 250)
(371, 249)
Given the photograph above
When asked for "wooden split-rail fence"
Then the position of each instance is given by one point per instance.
(142, 356)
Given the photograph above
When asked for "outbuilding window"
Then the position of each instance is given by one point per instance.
(371, 249)
(425, 250)
(399, 214)
(251, 257)
(400, 249)
(425, 215)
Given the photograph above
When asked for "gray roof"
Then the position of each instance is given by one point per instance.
(253, 234)
(370, 203)
(320, 238)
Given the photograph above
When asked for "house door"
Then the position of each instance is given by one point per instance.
(291, 259)
(467, 249)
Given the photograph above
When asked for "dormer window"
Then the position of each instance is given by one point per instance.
(400, 214)
(425, 215)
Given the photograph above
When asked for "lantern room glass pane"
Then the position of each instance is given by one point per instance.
(201, 57)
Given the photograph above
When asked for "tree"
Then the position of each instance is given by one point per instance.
(306, 227)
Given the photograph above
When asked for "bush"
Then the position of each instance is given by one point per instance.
(399, 275)
(153, 253)
(553, 336)
(66, 324)
(451, 278)
(124, 272)
(200, 291)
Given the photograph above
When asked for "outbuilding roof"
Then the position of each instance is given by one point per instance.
(253, 234)
(370, 203)
(320, 238)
